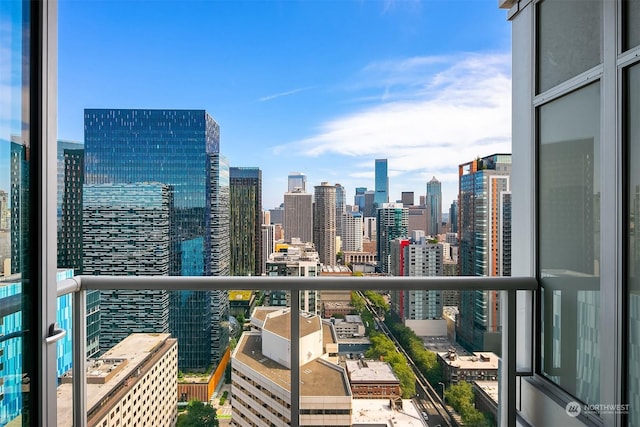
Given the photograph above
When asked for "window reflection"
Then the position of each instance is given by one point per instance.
(569, 224)
(15, 156)
(633, 144)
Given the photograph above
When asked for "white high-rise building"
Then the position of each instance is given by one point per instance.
(352, 232)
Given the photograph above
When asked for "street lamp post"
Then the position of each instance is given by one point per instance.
(442, 384)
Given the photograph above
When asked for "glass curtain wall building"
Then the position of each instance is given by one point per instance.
(392, 222)
(178, 148)
(483, 184)
(245, 186)
(382, 182)
(127, 231)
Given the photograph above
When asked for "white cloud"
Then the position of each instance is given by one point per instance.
(441, 111)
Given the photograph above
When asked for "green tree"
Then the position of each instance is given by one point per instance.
(357, 302)
(198, 415)
(461, 397)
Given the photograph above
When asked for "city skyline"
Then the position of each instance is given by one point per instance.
(388, 85)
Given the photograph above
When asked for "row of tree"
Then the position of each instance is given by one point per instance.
(425, 360)
(461, 397)
(382, 348)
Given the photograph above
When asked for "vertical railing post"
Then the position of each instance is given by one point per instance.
(79, 370)
(295, 358)
(507, 406)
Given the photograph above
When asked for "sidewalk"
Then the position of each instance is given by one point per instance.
(223, 413)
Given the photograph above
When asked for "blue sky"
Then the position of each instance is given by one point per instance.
(320, 87)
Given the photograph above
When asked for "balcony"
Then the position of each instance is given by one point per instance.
(510, 287)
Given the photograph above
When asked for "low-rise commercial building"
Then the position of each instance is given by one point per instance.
(371, 379)
(477, 366)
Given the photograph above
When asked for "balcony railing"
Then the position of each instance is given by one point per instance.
(79, 285)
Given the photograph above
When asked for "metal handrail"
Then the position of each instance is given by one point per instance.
(78, 285)
(288, 283)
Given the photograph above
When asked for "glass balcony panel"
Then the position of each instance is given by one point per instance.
(569, 236)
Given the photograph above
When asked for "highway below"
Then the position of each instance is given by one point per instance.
(427, 399)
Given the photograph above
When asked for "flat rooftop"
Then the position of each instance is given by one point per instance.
(136, 349)
(281, 325)
(489, 387)
(260, 313)
(240, 295)
(376, 412)
(317, 378)
(478, 360)
(367, 371)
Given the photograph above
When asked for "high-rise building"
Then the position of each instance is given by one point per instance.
(341, 207)
(298, 216)
(369, 204)
(127, 231)
(179, 148)
(453, 217)
(382, 182)
(352, 232)
(358, 198)
(392, 222)
(420, 260)
(70, 182)
(434, 205)
(19, 202)
(418, 218)
(70, 159)
(277, 215)
(245, 189)
(297, 181)
(407, 198)
(298, 259)
(4, 210)
(324, 222)
(268, 245)
(484, 184)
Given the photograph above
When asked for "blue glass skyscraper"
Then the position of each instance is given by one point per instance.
(382, 182)
(179, 148)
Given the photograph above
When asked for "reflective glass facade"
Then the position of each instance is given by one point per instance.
(569, 145)
(179, 148)
(392, 222)
(17, 286)
(382, 182)
(127, 232)
(483, 186)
